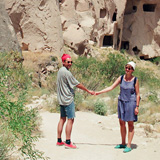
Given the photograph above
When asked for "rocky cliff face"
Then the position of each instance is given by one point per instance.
(37, 24)
(127, 24)
(8, 39)
(141, 28)
(43, 25)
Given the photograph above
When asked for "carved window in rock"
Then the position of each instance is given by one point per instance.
(108, 40)
(118, 36)
(61, 1)
(134, 8)
(149, 7)
(125, 45)
(144, 57)
(103, 13)
(114, 18)
(136, 50)
(81, 49)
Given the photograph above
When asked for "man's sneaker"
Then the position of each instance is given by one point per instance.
(70, 146)
(60, 143)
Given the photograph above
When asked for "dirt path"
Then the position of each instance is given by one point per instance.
(95, 137)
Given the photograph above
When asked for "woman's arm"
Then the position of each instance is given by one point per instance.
(115, 84)
(137, 96)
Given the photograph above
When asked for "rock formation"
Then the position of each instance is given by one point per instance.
(37, 24)
(8, 39)
(92, 20)
(127, 24)
(141, 28)
(43, 25)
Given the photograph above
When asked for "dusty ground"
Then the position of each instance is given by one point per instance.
(95, 137)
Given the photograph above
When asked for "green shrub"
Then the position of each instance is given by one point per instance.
(122, 51)
(16, 120)
(6, 141)
(147, 78)
(100, 107)
(113, 67)
(54, 58)
(156, 60)
(87, 71)
(153, 97)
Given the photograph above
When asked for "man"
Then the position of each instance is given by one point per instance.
(65, 94)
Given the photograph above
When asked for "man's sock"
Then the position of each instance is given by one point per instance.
(68, 141)
(59, 140)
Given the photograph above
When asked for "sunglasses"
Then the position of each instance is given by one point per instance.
(129, 68)
(69, 62)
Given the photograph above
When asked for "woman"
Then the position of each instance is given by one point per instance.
(128, 103)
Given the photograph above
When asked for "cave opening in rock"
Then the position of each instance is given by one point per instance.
(114, 18)
(108, 40)
(134, 8)
(149, 7)
(102, 13)
(81, 49)
(136, 50)
(125, 45)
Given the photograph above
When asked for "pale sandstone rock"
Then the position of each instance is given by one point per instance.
(8, 39)
(75, 38)
(111, 23)
(124, 24)
(37, 24)
(81, 5)
(96, 19)
(141, 28)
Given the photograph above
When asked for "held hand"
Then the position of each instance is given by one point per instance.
(97, 93)
(136, 111)
(91, 92)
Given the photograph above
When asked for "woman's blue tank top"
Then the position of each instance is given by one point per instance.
(127, 90)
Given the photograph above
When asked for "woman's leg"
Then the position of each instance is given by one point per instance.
(123, 131)
(130, 133)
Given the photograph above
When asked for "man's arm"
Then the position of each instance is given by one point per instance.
(81, 86)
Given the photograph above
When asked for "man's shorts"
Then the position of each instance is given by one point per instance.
(68, 111)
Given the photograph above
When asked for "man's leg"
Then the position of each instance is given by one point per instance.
(70, 110)
(60, 126)
(59, 130)
(69, 126)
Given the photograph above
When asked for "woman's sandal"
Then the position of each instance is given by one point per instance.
(119, 146)
(127, 149)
